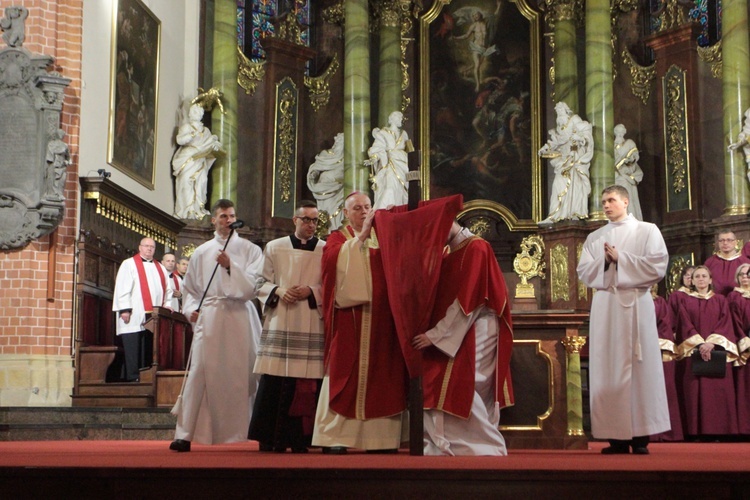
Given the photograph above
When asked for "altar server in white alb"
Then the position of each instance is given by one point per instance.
(142, 283)
(290, 357)
(220, 386)
(621, 261)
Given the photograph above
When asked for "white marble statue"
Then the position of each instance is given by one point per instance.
(743, 141)
(627, 172)
(570, 149)
(389, 162)
(325, 178)
(191, 163)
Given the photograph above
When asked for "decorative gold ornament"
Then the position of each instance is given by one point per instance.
(641, 77)
(207, 99)
(286, 132)
(583, 290)
(676, 127)
(670, 15)
(480, 226)
(712, 55)
(334, 14)
(529, 264)
(290, 30)
(249, 73)
(562, 10)
(188, 250)
(574, 344)
(319, 87)
(559, 272)
(674, 275)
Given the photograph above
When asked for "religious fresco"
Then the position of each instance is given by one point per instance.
(484, 106)
(134, 90)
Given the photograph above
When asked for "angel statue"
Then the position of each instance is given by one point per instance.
(479, 34)
(325, 178)
(743, 141)
(191, 163)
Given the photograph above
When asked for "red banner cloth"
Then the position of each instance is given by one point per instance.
(411, 243)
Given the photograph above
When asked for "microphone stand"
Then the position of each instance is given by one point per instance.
(217, 264)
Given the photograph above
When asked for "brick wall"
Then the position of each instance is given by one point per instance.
(36, 320)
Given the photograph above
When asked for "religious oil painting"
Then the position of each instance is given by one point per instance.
(133, 90)
(482, 106)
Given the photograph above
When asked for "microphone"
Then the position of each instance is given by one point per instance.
(237, 224)
(234, 225)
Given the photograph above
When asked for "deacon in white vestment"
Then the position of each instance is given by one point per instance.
(220, 386)
(133, 308)
(621, 261)
(290, 357)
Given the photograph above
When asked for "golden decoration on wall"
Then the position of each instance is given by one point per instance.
(675, 115)
(641, 77)
(529, 264)
(188, 250)
(208, 99)
(249, 73)
(127, 217)
(559, 272)
(319, 87)
(290, 30)
(712, 55)
(334, 14)
(480, 226)
(562, 10)
(573, 345)
(670, 15)
(583, 290)
(285, 134)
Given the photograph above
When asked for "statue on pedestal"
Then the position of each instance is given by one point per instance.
(191, 163)
(743, 141)
(389, 162)
(325, 178)
(627, 172)
(570, 149)
(58, 159)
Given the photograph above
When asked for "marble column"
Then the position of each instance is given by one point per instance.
(574, 391)
(356, 95)
(599, 109)
(736, 96)
(566, 58)
(389, 63)
(224, 125)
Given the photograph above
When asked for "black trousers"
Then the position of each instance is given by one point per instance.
(138, 347)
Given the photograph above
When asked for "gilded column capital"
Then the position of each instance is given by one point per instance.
(389, 12)
(574, 344)
(334, 14)
(563, 10)
(712, 55)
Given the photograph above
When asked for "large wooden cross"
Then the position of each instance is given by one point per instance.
(416, 396)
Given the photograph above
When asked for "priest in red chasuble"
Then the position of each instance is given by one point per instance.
(467, 352)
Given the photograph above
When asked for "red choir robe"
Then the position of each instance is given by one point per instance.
(723, 270)
(709, 404)
(366, 369)
(469, 274)
(664, 326)
(739, 305)
(675, 302)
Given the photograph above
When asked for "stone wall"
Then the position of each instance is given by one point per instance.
(36, 283)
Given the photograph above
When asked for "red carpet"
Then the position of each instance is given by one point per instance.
(148, 469)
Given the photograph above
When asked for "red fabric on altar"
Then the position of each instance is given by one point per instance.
(411, 243)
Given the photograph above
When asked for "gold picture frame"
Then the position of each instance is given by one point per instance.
(134, 90)
(480, 107)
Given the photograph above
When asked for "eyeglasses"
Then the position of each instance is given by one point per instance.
(308, 220)
(727, 240)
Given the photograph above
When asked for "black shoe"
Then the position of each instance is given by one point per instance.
(640, 450)
(388, 451)
(334, 450)
(180, 445)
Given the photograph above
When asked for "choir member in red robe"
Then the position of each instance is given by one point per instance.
(724, 263)
(739, 305)
(705, 324)
(675, 298)
(664, 325)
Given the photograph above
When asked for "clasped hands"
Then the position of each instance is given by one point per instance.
(294, 294)
(610, 253)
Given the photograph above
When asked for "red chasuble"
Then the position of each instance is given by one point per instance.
(470, 274)
(148, 306)
(366, 370)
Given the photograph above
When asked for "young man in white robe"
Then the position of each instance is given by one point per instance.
(621, 261)
(218, 394)
(290, 357)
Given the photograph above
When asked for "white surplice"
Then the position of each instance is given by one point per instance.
(627, 391)
(220, 387)
(128, 295)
